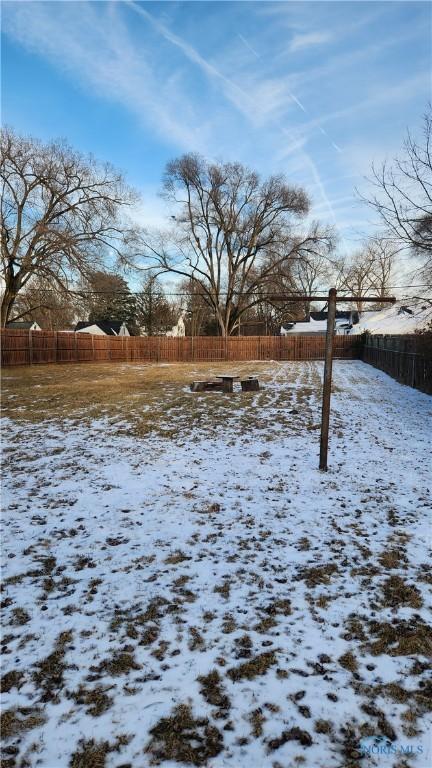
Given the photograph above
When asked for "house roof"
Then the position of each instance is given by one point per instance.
(341, 314)
(110, 327)
(398, 318)
(318, 323)
(24, 325)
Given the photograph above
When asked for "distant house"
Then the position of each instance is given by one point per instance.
(103, 328)
(179, 329)
(398, 318)
(29, 325)
(317, 323)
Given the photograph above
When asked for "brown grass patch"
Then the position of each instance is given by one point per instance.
(20, 617)
(95, 700)
(16, 721)
(121, 663)
(176, 557)
(184, 739)
(156, 391)
(323, 726)
(50, 671)
(93, 754)
(319, 574)
(212, 690)
(253, 668)
(397, 592)
(348, 661)
(12, 679)
(257, 720)
(392, 558)
(403, 638)
(293, 734)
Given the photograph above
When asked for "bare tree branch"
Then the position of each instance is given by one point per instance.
(60, 215)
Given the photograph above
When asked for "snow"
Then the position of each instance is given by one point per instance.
(394, 319)
(313, 326)
(237, 505)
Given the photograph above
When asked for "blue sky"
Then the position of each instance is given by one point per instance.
(316, 90)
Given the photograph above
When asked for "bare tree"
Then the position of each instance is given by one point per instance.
(50, 307)
(60, 215)
(402, 197)
(355, 275)
(153, 310)
(369, 270)
(383, 259)
(199, 311)
(232, 231)
(310, 274)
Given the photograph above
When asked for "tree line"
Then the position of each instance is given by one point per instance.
(234, 240)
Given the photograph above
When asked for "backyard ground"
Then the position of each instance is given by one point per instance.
(181, 585)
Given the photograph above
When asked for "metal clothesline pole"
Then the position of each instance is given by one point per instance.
(328, 364)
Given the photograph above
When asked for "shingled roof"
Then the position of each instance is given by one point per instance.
(110, 327)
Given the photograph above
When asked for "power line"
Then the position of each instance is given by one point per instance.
(192, 293)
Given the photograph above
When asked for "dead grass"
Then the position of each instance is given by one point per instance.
(256, 666)
(392, 558)
(176, 557)
(12, 679)
(257, 721)
(348, 661)
(319, 574)
(90, 754)
(397, 592)
(16, 721)
(184, 739)
(148, 393)
(20, 617)
(212, 691)
(50, 671)
(403, 638)
(293, 734)
(95, 700)
(121, 663)
(93, 754)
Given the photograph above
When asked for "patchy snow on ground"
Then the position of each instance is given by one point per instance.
(201, 594)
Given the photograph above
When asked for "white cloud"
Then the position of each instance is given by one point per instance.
(93, 45)
(308, 40)
(232, 100)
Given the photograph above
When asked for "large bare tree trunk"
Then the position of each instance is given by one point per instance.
(8, 301)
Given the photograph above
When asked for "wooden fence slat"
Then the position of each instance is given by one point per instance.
(407, 358)
(23, 347)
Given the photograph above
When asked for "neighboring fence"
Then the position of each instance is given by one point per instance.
(406, 358)
(30, 347)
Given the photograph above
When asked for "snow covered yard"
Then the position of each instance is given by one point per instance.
(183, 586)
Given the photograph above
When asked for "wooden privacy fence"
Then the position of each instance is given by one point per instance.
(31, 347)
(407, 359)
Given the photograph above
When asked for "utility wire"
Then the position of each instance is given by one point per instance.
(191, 293)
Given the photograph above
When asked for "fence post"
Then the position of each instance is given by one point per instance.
(328, 362)
(56, 347)
(30, 347)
